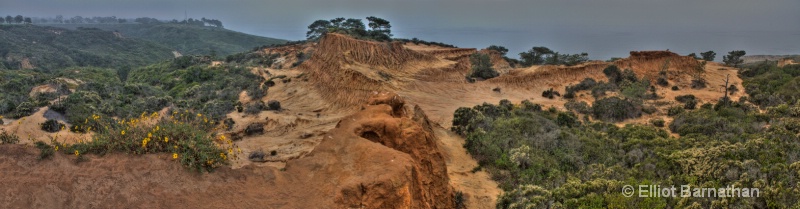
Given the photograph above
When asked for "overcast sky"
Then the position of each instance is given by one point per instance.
(604, 28)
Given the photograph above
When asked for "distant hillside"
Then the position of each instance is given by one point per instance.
(186, 39)
(759, 58)
(31, 46)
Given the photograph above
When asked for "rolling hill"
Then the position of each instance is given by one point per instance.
(186, 39)
(115, 45)
(49, 48)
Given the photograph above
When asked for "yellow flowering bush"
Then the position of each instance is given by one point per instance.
(189, 137)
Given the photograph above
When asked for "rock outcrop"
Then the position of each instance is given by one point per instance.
(384, 156)
(395, 160)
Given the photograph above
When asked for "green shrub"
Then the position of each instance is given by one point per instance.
(725, 120)
(24, 109)
(463, 120)
(187, 136)
(585, 84)
(601, 88)
(481, 67)
(579, 107)
(567, 119)
(732, 89)
(685, 98)
(690, 101)
(45, 150)
(51, 126)
(274, 105)
(675, 110)
(7, 138)
(614, 109)
(550, 93)
(459, 200)
(635, 89)
(662, 81)
(540, 164)
(254, 108)
(658, 122)
(649, 109)
(690, 105)
(613, 74)
(530, 106)
(698, 83)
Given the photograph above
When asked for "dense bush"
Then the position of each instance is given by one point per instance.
(51, 126)
(185, 135)
(662, 81)
(675, 110)
(649, 109)
(615, 109)
(7, 138)
(727, 120)
(74, 48)
(601, 88)
(685, 98)
(273, 105)
(636, 89)
(45, 150)
(540, 164)
(698, 83)
(429, 43)
(550, 93)
(690, 101)
(657, 122)
(585, 84)
(254, 108)
(481, 67)
(769, 85)
(579, 107)
(613, 74)
(211, 90)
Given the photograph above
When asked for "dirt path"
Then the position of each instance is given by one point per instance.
(480, 190)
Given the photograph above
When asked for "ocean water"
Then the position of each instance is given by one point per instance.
(605, 44)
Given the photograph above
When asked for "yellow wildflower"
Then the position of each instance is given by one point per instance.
(56, 148)
(149, 135)
(174, 155)
(123, 132)
(77, 153)
(166, 139)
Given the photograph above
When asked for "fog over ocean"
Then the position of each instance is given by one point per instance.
(602, 45)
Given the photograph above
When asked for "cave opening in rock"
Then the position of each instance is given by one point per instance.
(372, 136)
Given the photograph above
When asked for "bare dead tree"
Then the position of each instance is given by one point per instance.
(725, 98)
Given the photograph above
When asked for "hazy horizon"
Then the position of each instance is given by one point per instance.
(602, 29)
